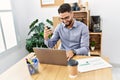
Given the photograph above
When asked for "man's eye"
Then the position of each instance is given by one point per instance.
(62, 18)
(67, 17)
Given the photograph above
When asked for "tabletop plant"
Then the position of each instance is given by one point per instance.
(92, 45)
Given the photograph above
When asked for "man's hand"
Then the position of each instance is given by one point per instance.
(69, 54)
(47, 32)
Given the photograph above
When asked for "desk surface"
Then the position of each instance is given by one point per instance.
(56, 72)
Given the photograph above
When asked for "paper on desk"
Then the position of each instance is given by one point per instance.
(93, 63)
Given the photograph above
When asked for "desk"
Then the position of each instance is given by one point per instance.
(56, 72)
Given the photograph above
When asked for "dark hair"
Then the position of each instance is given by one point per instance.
(64, 8)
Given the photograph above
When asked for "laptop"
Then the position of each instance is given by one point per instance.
(51, 56)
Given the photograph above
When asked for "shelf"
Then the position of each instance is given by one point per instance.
(95, 53)
(96, 33)
(82, 16)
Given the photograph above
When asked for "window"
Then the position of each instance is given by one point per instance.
(7, 29)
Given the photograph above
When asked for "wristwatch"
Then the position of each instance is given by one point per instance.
(74, 51)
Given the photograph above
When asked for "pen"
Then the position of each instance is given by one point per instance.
(28, 61)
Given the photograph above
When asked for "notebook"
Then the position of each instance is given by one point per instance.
(51, 56)
(93, 63)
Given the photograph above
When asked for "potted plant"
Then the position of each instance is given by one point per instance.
(36, 35)
(92, 45)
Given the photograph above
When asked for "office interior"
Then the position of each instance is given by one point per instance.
(25, 11)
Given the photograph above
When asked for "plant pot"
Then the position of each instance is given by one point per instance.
(92, 48)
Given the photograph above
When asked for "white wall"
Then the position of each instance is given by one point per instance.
(12, 56)
(108, 9)
(25, 11)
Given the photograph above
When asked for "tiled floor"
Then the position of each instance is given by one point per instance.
(116, 73)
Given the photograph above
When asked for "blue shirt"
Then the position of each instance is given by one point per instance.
(76, 38)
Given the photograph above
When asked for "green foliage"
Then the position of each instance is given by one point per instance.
(36, 34)
(92, 43)
(49, 21)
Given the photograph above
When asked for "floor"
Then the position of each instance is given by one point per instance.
(116, 72)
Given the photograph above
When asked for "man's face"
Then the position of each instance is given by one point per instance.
(66, 18)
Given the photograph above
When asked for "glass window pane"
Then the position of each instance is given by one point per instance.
(2, 47)
(8, 29)
(5, 5)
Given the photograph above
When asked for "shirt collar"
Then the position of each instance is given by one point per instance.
(75, 23)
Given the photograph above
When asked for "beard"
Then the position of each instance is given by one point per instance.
(68, 23)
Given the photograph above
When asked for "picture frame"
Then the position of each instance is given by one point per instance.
(51, 3)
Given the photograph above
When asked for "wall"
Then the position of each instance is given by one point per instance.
(26, 11)
(108, 9)
(7, 59)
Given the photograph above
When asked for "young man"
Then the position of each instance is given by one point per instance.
(74, 35)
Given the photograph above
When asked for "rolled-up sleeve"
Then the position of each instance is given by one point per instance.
(84, 42)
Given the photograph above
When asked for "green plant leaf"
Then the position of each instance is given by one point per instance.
(92, 43)
(41, 27)
(37, 37)
(49, 21)
(31, 30)
(33, 23)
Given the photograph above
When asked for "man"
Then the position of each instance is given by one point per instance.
(74, 35)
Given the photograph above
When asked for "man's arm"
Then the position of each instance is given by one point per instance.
(53, 40)
(84, 43)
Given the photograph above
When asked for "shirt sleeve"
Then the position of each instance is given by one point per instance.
(53, 40)
(84, 42)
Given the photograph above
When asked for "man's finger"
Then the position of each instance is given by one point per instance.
(68, 58)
